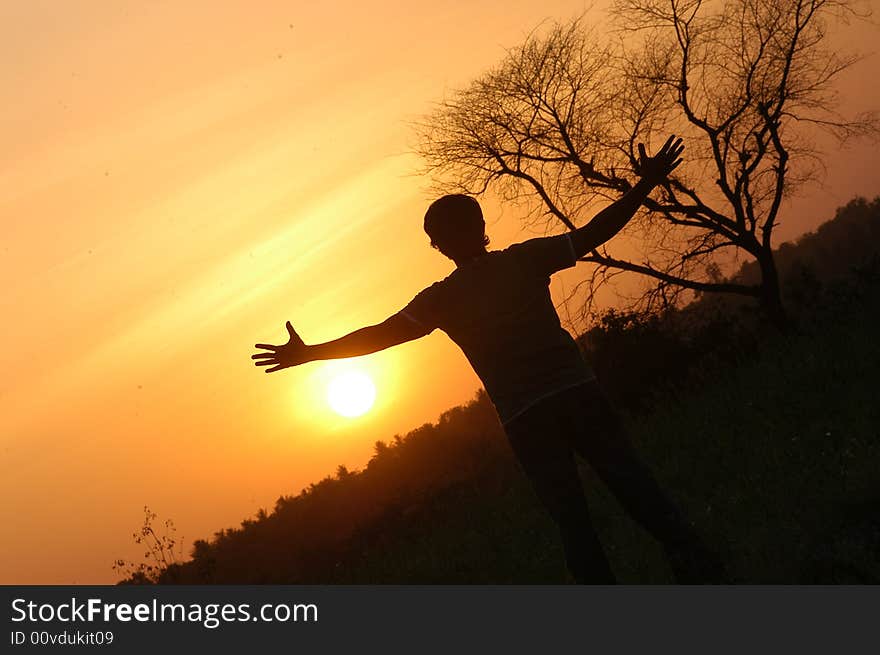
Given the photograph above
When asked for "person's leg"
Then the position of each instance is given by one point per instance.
(601, 439)
(547, 459)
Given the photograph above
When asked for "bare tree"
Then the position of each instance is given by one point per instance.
(554, 127)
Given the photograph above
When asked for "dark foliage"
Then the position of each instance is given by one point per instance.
(636, 354)
(770, 442)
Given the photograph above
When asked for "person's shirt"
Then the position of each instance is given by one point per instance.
(497, 308)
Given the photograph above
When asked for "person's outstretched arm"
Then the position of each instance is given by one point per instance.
(612, 219)
(393, 331)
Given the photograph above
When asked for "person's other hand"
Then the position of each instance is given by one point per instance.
(292, 353)
(657, 168)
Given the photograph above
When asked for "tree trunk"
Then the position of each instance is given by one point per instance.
(771, 295)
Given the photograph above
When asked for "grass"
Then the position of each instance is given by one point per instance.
(777, 458)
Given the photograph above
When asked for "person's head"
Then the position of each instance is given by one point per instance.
(456, 226)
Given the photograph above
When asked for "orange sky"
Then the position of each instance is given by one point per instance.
(177, 180)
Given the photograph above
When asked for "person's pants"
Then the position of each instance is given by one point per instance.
(579, 420)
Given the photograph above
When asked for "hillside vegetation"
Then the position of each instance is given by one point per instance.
(769, 441)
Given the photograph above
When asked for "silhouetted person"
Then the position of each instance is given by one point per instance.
(496, 306)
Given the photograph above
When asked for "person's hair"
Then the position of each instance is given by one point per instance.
(454, 221)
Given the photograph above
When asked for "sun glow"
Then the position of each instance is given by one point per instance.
(351, 394)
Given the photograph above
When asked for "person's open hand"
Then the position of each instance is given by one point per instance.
(292, 353)
(657, 168)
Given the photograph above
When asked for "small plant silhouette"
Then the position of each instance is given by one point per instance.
(162, 551)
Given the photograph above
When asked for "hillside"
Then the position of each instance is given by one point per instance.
(772, 448)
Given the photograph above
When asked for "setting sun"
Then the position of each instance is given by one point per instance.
(351, 394)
